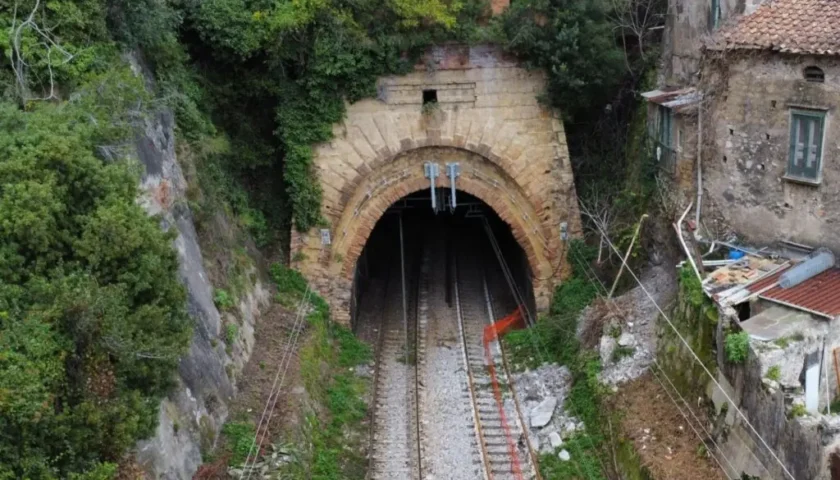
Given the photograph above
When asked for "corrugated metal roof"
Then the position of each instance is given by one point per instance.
(819, 294)
(768, 281)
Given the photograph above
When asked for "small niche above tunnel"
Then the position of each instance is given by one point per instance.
(433, 244)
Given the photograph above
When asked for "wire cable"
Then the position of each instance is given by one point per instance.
(618, 312)
(280, 376)
(696, 358)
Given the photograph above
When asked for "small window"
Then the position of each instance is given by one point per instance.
(806, 139)
(814, 74)
(429, 96)
(715, 15)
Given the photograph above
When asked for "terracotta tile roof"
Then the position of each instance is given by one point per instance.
(819, 294)
(791, 26)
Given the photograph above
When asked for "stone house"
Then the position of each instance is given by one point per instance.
(673, 107)
(771, 149)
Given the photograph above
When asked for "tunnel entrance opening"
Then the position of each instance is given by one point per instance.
(411, 230)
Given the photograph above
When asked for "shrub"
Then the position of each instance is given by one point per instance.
(798, 410)
(223, 299)
(92, 313)
(774, 373)
(231, 333)
(239, 437)
(737, 346)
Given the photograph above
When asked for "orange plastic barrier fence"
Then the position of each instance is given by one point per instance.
(491, 333)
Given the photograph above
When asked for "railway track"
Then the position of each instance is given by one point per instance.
(394, 440)
(505, 450)
(468, 427)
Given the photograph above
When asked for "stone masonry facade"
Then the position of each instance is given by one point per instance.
(746, 187)
(512, 152)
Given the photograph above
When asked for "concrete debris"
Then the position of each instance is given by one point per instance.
(542, 413)
(564, 455)
(542, 393)
(626, 339)
(554, 439)
(606, 349)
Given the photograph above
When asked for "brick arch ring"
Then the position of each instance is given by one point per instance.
(479, 177)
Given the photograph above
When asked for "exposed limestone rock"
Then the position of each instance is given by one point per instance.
(541, 415)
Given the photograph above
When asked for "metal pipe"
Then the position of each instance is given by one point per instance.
(678, 226)
(699, 162)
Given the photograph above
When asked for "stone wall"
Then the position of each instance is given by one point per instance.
(512, 152)
(687, 25)
(746, 148)
(803, 444)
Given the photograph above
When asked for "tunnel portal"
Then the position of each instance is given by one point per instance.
(414, 226)
(474, 107)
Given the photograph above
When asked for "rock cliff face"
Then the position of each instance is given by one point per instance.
(191, 417)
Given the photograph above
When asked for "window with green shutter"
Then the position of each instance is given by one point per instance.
(806, 140)
(715, 15)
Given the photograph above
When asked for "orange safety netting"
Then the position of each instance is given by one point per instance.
(491, 333)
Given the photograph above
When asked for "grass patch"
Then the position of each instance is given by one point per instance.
(582, 465)
(774, 373)
(239, 437)
(333, 427)
(231, 333)
(783, 342)
(737, 346)
(223, 299)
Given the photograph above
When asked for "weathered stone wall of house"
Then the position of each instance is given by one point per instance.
(512, 151)
(803, 444)
(746, 148)
(688, 23)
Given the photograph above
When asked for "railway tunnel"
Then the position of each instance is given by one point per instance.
(470, 106)
(412, 230)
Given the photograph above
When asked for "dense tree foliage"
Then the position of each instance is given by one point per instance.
(92, 315)
(575, 43)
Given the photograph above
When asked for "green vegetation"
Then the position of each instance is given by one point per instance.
(239, 437)
(783, 342)
(231, 333)
(333, 428)
(92, 317)
(774, 373)
(223, 299)
(737, 346)
(695, 318)
(621, 352)
(797, 410)
(553, 338)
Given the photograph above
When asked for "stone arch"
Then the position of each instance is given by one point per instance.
(480, 178)
(487, 116)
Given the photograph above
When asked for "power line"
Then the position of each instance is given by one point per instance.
(280, 376)
(538, 343)
(616, 310)
(700, 362)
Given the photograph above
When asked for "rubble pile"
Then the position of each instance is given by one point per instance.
(541, 393)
